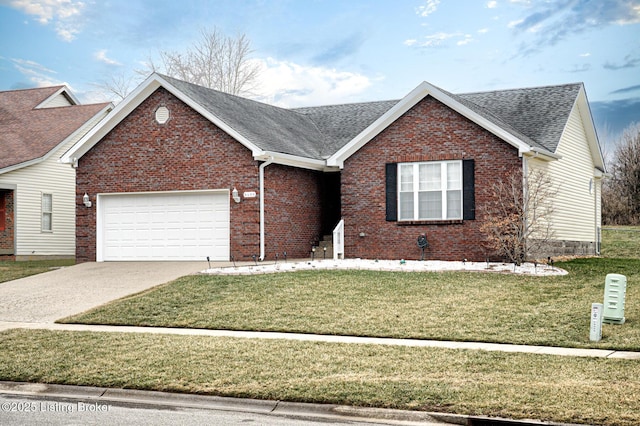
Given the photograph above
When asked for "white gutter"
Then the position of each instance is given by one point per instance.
(261, 169)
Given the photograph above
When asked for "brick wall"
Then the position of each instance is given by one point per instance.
(429, 131)
(7, 244)
(292, 210)
(190, 153)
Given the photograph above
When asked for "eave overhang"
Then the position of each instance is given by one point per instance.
(294, 161)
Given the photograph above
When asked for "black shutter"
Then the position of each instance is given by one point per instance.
(468, 190)
(391, 188)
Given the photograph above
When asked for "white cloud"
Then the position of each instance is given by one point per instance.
(410, 42)
(36, 73)
(101, 56)
(64, 13)
(437, 39)
(428, 8)
(492, 4)
(466, 40)
(288, 84)
(585, 55)
(514, 24)
(632, 16)
(483, 30)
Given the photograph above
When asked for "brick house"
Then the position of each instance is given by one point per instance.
(37, 192)
(177, 172)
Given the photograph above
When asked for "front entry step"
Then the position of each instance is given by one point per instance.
(324, 249)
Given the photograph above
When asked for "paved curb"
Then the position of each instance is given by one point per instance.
(132, 397)
(178, 400)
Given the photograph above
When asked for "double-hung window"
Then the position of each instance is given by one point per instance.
(430, 190)
(47, 212)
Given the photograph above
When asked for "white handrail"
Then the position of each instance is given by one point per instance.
(338, 240)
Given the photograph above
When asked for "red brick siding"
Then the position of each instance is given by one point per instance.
(292, 211)
(429, 131)
(7, 244)
(190, 153)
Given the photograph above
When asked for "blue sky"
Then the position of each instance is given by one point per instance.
(316, 52)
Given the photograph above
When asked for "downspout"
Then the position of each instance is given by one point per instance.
(261, 170)
(525, 194)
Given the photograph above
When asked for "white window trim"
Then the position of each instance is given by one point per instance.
(416, 190)
(43, 212)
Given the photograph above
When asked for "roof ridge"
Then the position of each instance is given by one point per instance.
(56, 87)
(346, 104)
(518, 89)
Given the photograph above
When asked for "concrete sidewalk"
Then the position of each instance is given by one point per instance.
(498, 347)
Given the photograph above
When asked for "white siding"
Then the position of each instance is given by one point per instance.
(576, 206)
(60, 100)
(51, 177)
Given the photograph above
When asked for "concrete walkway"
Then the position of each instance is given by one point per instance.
(593, 353)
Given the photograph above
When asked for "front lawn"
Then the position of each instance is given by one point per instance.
(553, 388)
(14, 270)
(486, 307)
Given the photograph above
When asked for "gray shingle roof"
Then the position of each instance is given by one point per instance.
(537, 116)
(539, 113)
(266, 126)
(341, 123)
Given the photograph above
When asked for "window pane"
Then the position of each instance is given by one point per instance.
(406, 177)
(430, 205)
(46, 203)
(454, 204)
(430, 177)
(454, 176)
(406, 205)
(46, 221)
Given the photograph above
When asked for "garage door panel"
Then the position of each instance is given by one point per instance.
(168, 226)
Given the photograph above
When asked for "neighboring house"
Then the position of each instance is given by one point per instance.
(178, 171)
(37, 192)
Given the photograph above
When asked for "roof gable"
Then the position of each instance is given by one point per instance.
(29, 132)
(480, 115)
(532, 120)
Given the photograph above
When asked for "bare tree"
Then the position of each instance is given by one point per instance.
(517, 219)
(117, 86)
(621, 193)
(215, 61)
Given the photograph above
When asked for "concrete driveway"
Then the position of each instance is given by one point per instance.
(56, 294)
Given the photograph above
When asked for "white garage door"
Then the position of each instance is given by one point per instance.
(163, 226)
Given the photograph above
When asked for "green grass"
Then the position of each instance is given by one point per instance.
(14, 270)
(562, 389)
(621, 242)
(463, 306)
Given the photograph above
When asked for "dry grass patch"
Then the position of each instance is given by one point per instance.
(14, 270)
(578, 390)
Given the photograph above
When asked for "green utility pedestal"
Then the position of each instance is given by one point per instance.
(615, 289)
